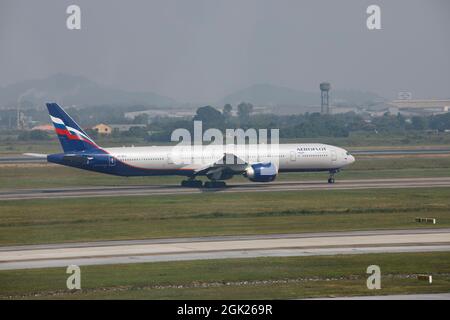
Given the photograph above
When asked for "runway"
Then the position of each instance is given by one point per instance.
(155, 250)
(153, 190)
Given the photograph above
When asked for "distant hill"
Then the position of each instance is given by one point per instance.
(266, 94)
(74, 90)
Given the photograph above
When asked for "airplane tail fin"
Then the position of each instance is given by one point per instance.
(70, 134)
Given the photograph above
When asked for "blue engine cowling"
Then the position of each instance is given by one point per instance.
(261, 172)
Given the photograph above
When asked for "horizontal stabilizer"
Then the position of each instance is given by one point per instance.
(36, 155)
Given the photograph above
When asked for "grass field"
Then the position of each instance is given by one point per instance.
(135, 217)
(256, 278)
(46, 175)
(208, 214)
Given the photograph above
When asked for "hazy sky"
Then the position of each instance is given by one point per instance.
(201, 50)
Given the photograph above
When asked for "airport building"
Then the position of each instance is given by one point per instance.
(102, 128)
(421, 106)
(110, 128)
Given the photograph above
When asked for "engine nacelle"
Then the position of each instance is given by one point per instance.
(261, 172)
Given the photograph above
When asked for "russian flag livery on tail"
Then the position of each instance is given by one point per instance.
(71, 136)
(257, 165)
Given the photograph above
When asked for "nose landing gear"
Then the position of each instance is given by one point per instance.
(331, 177)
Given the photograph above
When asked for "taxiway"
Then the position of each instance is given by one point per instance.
(155, 250)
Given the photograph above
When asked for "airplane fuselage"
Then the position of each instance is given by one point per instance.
(164, 160)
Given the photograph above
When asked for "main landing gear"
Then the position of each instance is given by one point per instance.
(214, 184)
(192, 183)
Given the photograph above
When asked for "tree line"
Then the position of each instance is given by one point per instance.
(308, 125)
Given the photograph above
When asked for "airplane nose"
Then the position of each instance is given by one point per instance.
(351, 159)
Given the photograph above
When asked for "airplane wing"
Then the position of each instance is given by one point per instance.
(229, 165)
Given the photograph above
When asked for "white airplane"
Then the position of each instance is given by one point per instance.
(82, 152)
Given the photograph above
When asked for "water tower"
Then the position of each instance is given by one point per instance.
(325, 97)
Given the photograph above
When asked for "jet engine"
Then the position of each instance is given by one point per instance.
(261, 172)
